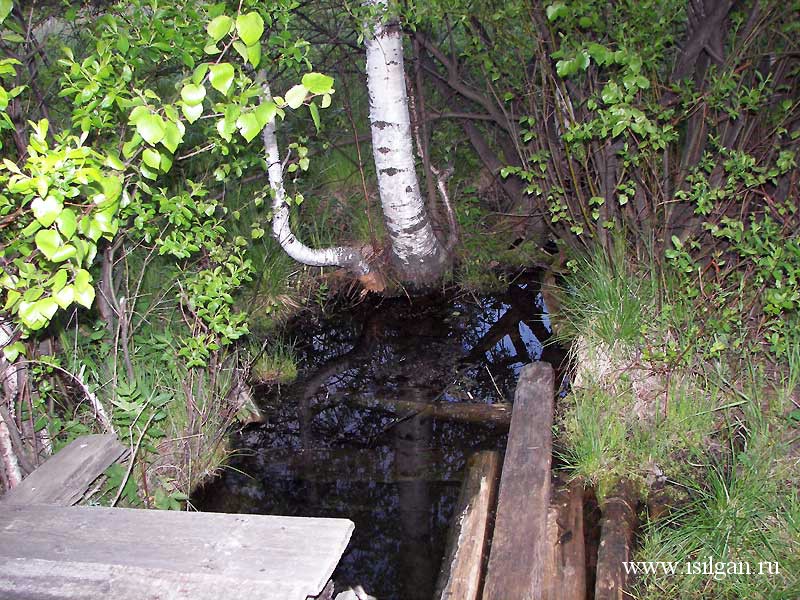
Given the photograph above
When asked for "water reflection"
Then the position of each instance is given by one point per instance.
(348, 439)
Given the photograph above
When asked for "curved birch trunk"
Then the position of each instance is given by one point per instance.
(348, 257)
(417, 253)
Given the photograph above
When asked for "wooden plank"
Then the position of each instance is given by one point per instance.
(519, 544)
(462, 567)
(118, 553)
(566, 560)
(616, 542)
(64, 478)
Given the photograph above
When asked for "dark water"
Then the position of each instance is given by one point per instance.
(336, 444)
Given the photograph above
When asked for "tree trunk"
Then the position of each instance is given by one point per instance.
(350, 258)
(417, 254)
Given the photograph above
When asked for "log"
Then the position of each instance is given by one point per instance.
(616, 539)
(64, 478)
(468, 538)
(467, 412)
(566, 561)
(519, 545)
(327, 465)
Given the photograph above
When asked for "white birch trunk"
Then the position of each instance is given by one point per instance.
(417, 252)
(348, 257)
(8, 386)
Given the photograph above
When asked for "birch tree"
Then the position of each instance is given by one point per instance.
(417, 255)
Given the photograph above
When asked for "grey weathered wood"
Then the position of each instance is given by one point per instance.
(64, 478)
(519, 544)
(468, 538)
(92, 552)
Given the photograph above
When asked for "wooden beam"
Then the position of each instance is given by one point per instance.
(616, 542)
(64, 478)
(519, 544)
(467, 412)
(468, 538)
(52, 552)
(565, 578)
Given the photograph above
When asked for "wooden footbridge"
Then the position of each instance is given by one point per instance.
(516, 535)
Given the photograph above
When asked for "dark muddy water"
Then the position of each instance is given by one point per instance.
(343, 442)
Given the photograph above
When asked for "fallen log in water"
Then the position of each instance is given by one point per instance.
(468, 412)
(616, 538)
(565, 578)
(462, 567)
(519, 545)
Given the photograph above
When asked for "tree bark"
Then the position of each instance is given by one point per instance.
(417, 254)
(347, 257)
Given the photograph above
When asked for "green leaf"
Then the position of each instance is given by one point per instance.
(46, 210)
(249, 125)
(250, 27)
(254, 54)
(65, 296)
(193, 94)
(192, 113)
(5, 9)
(326, 101)
(173, 135)
(84, 292)
(58, 281)
(151, 128)
(314, 114)
(114, 162)
(265, 112)
(317, 83)
(296, 95)
(554, 11)
(12, 351)
(30, 315)
(219, 27)
(221, 77)
(67, 222)
(66, 252)
(152, 158)
(48, 242)
(241, 49)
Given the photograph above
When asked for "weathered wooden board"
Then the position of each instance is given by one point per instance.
(64, 478)
(468, 539)
(91, 552)
(519, 544)
(566, 561)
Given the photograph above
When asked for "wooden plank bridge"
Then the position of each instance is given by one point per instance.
(516, 535)
(52, 550)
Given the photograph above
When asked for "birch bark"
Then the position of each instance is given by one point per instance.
(417, 253)
(343, 256)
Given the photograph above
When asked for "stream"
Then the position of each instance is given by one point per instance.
(341, 441)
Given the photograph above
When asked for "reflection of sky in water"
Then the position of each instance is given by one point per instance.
(532, 343)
